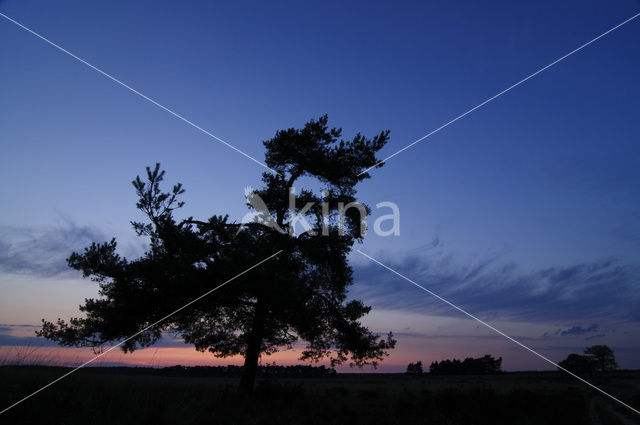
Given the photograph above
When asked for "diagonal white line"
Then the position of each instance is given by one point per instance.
(139, 332)
(503, 92)
(497, 331)
(175, 114)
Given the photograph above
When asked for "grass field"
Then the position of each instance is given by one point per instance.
(121, 396)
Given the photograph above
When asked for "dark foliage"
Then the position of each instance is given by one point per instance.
(415, 368)
(485, 365)
(597, 358)
(578, 364)
(603, 357)
(299, 295)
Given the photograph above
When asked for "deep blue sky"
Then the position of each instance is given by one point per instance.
(538, 189)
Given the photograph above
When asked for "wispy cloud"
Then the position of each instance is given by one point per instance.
(589, 338)
(27, 341)
(24, 335)
(7, 325)
(43, 251)
(579, 330)
(495, 289)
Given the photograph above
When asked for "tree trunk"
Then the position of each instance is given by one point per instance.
(252, 354)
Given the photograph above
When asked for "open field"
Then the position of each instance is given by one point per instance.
(128, 396)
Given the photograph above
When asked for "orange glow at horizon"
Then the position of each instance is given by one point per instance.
(150, 356)
(157, 357)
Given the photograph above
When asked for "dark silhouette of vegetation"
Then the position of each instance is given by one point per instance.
(485, 365)
(95, 397)
(578, 363)
(415, 368)
(229, 371)
(299, 295)
(291, 371)
(597, 358)
(603, 357)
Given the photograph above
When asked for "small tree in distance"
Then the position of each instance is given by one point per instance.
(597, 358)
(415, 368)
(603, 357)
(300, 295)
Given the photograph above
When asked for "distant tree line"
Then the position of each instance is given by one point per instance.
(415, 368)
(485, 365)
(303, 371)
(267, 370)
(597, 358)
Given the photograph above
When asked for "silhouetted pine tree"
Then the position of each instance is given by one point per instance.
(298, 295)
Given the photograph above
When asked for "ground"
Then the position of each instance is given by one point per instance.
(116, 396)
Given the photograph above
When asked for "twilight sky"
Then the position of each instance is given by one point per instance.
(526, 212)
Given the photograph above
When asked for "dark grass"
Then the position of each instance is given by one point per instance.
(124, 397)
(606, 416)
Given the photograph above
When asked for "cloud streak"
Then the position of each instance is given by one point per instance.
(26, 337)
(579, 330)
(587, 291)
(42, 251)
